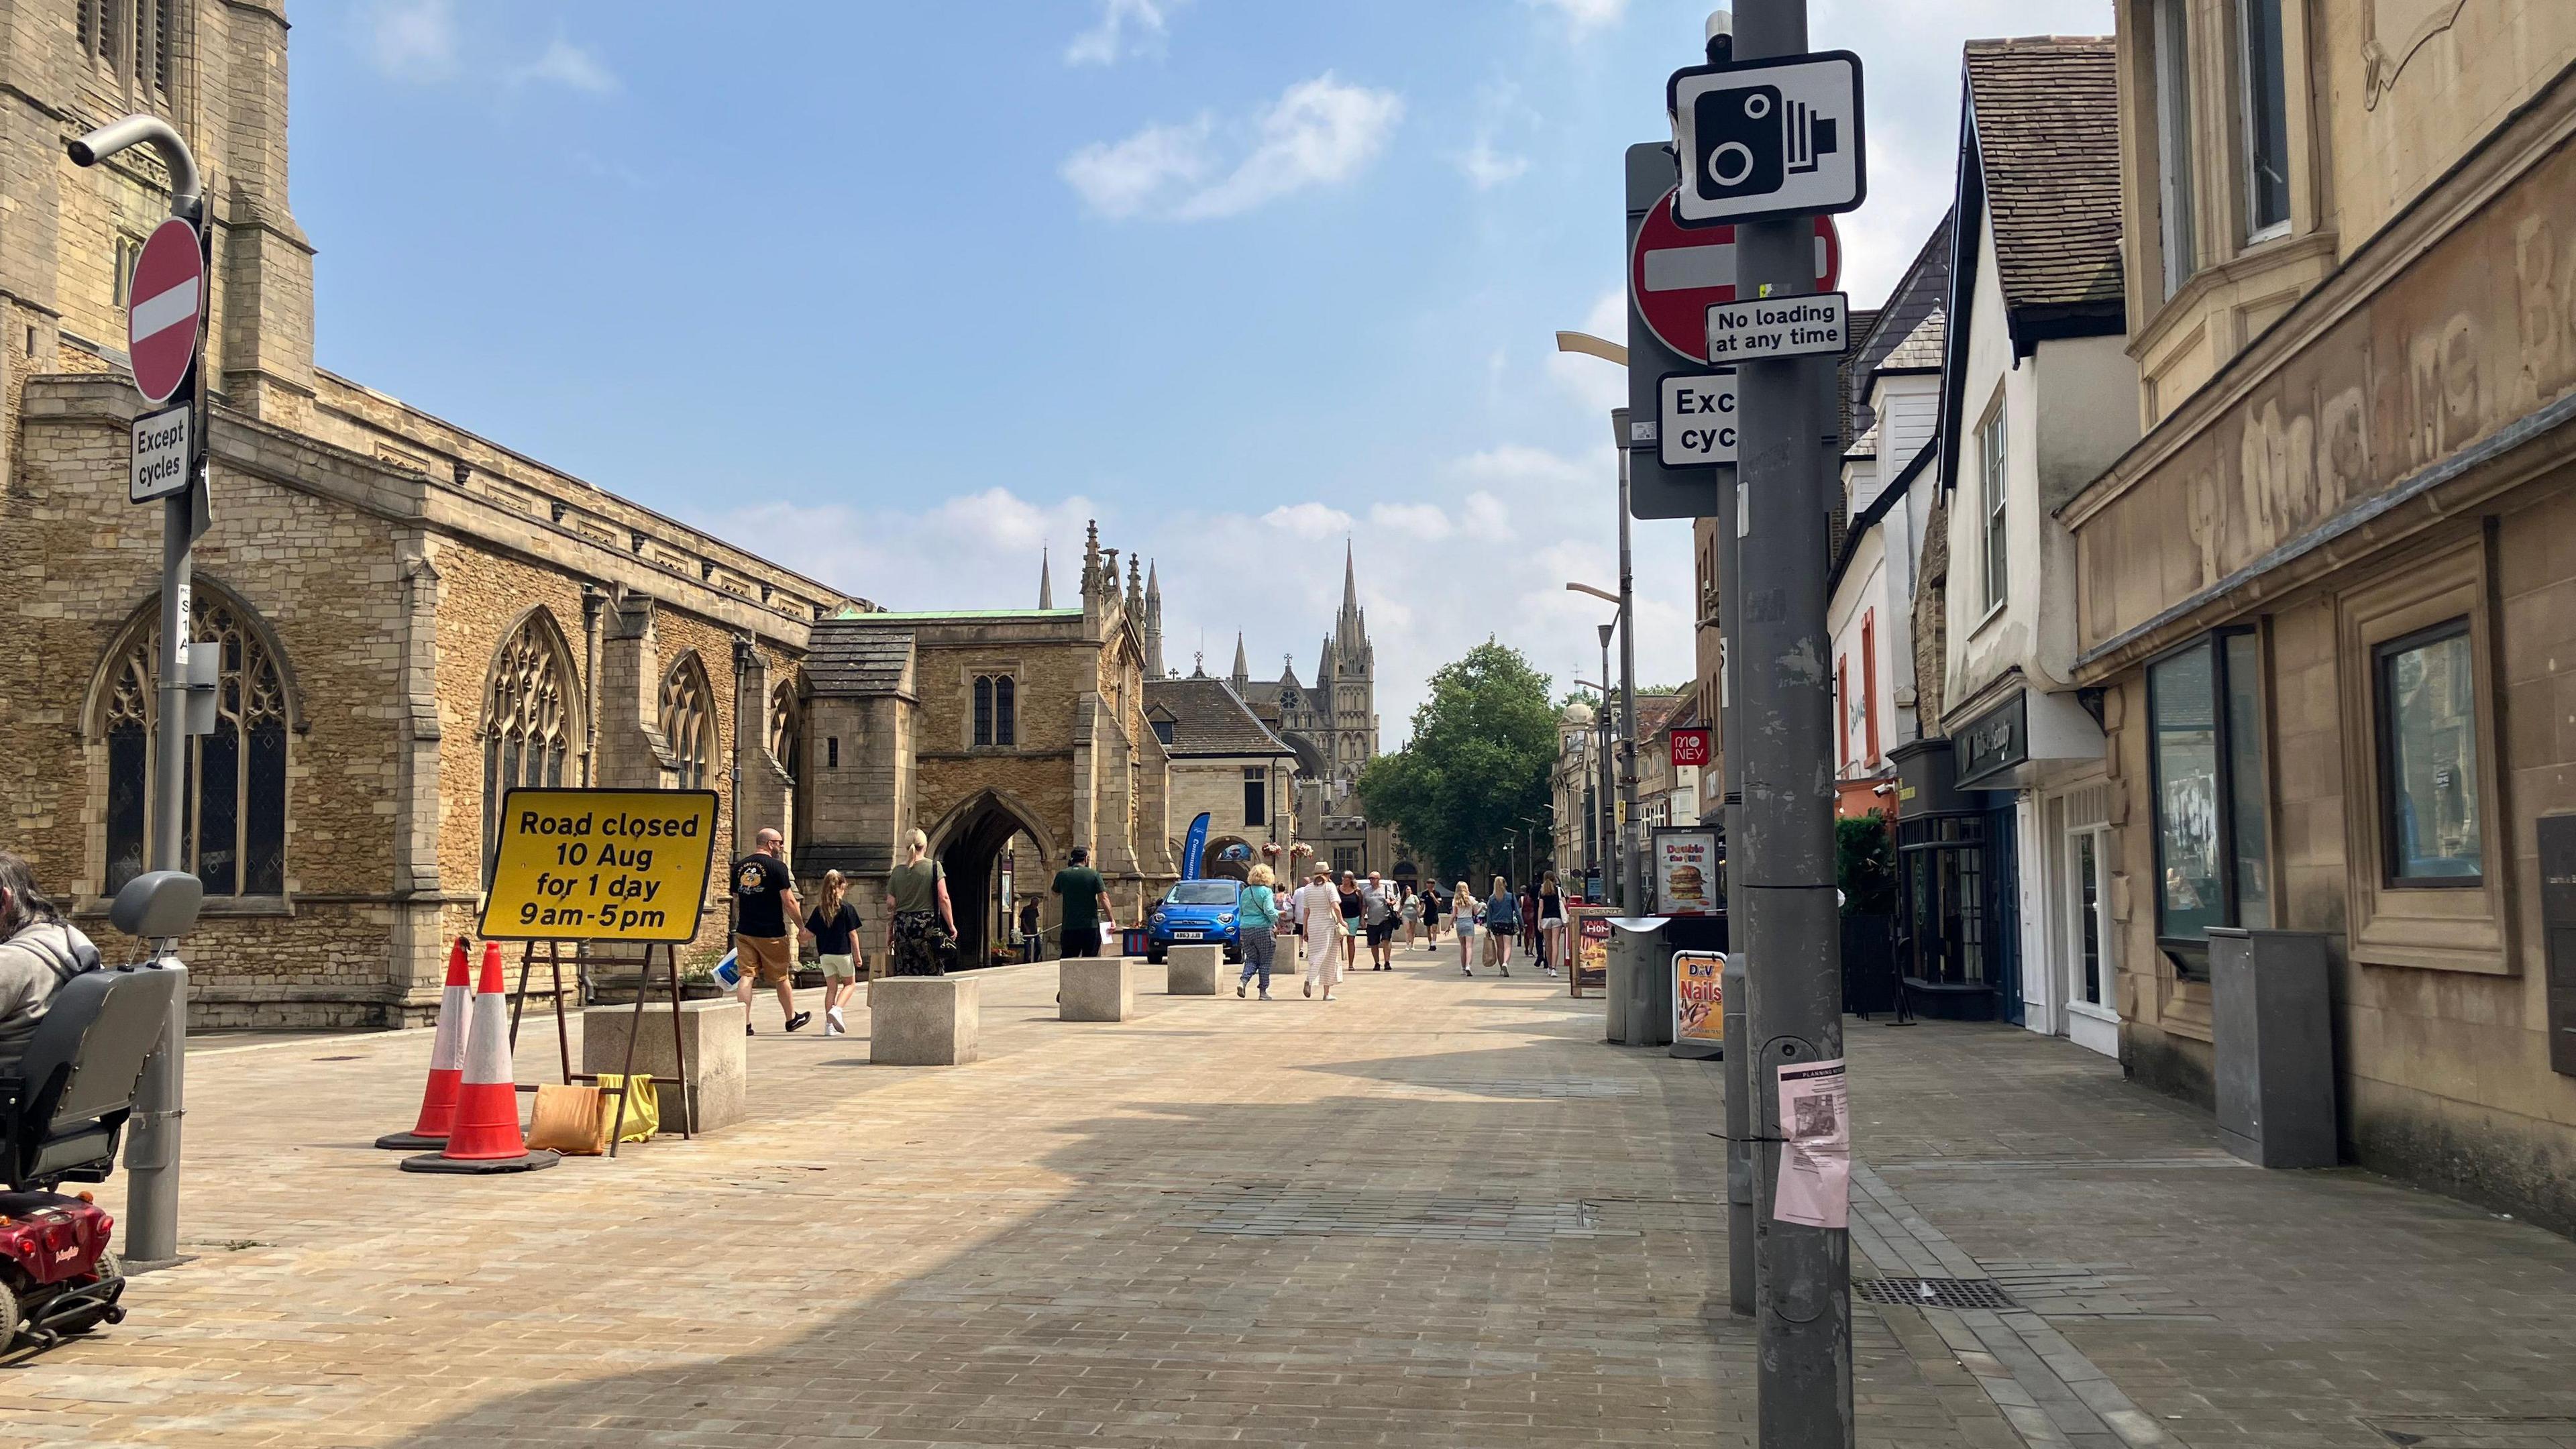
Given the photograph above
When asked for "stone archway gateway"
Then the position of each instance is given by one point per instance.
(969, 846)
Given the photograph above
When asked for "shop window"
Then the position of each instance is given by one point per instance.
(2430, 821)
(2423, 850)
(2213, 855)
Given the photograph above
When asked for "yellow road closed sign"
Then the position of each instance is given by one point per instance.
(601, 865)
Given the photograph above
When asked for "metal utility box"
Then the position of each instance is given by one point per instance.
(2271, 1030)
(1641, 957)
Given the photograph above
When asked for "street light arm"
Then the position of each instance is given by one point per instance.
(1602, 594)
(186, 189)
(1591, 346)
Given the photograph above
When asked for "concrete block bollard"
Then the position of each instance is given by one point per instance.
(1096, 989)
(924, 1021)
(717, 1092)
(1192, 970)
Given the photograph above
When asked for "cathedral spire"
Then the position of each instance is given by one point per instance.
(1242, 666)
(1046, 585)
(1350, 584)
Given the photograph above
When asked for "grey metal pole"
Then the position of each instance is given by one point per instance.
(1784, 859)
(1632, 894)
(1609, 812)
(152, 1147)
(1734, 981)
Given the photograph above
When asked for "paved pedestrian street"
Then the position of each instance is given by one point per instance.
(1436, 1212)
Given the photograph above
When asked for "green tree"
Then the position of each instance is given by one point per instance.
(1476, 765)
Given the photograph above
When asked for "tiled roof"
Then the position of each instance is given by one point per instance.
(2046, 112)
(1209, 718)
(1657, 712)
(1922, 346)
(846, 658)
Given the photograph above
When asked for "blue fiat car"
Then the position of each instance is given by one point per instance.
(1196, 913)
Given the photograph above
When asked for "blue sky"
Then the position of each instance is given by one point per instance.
(898, 293)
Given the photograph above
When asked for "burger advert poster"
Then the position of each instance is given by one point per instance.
(1686, 872)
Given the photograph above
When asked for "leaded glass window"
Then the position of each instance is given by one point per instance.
(233, 837)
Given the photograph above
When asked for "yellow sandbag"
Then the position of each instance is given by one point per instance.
(643, 1108)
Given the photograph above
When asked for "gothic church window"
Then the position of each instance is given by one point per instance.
(233, 834)
(997, 711)
(689, 722)
(527, 718)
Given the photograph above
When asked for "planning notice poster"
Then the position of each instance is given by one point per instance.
(1686, 872)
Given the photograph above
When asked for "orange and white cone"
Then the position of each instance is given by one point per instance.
(486, 1135)
(446, 1063)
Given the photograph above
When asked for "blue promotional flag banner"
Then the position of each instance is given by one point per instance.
(1191, 847)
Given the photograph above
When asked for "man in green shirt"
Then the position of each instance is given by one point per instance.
(1085, 905)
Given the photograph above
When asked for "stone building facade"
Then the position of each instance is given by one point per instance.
(410, 616)
(1229, 766)
(2326, 599)
(1010, 730)
(1333, 728)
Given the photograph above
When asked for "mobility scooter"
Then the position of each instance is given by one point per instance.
(63, 1108)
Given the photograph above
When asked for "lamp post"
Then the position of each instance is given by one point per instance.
(152, 1151)
(1630, 856)
(1615, 842)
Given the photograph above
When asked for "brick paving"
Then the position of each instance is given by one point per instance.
(1437, 1212)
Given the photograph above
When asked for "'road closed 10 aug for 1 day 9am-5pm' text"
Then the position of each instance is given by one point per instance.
(600, 865)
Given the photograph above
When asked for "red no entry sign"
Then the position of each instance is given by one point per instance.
(1676, 273)
(168, 297)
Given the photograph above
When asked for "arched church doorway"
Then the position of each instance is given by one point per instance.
(992, 855)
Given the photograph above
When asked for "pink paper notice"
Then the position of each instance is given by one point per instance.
(1815, 1160)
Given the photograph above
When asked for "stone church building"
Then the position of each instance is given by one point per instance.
(1332, 727)
(413, 618)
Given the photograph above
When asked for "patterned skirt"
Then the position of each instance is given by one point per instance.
(913, 955)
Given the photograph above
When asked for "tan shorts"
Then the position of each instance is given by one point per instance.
(840, 968)
(766, 959)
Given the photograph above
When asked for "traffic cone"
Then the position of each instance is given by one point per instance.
(446, 1064)
(485, 1136)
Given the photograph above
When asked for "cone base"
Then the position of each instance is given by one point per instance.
(480, 1166)
(410, 1142)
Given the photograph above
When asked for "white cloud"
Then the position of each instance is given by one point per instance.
(1482, 544)
(1584, 16)
(1127, 27)
(1486, 168)
(1320, 132)
(413, 40)
(1123, 178)
(566, 64)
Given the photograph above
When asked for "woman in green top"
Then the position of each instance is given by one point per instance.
(916, 895)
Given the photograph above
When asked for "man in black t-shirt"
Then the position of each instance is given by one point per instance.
(764, 946)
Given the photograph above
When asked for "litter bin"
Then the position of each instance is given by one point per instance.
(1641, 954)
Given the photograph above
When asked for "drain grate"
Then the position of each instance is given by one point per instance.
(1936, 1292)
(1263, 1211)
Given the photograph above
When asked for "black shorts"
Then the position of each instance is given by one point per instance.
(1079, 941)
(1382, 932)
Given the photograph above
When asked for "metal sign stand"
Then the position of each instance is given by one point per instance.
(551, 955)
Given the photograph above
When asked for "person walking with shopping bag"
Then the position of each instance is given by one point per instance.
(921, 928)
(1319, 909)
